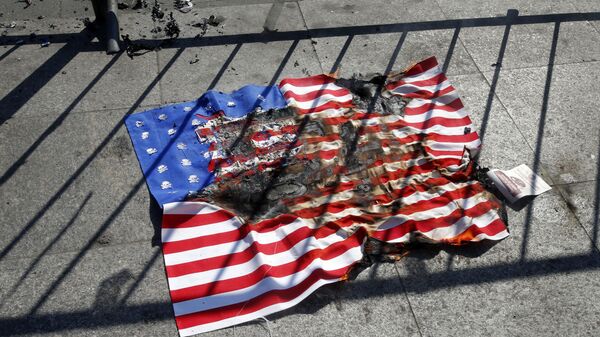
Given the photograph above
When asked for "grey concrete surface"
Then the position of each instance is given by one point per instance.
(78, 252)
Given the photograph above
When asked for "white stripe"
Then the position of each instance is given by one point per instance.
(409, 88)
(499, 236)
(383, 208)
(438, 212)
(455, 229)
(440, 100)
(256, 314)
(329, 113)
(310, 88)
(189, 208)
(177, 234)
(260, 259)
(321, 100)
(234, 247)
(458, 114)
(444, 146)
(267, 284)
(433, 72)
(437, 128)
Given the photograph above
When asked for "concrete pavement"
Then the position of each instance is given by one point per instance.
(78, 253)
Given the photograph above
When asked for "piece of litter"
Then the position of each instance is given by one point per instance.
(230, 104)
(181, 146)
(186, 162)
(145, 134)
(162, 168)
(193, 179)
(215, 20)
(151, 150)
(165, 185)
(12, 25)
(171, 132)
(162, 117)
(139, 124)
(518, 182)
(184, 6)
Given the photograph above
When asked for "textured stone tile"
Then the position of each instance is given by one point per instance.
(69, 184)
(529, 45)
(228, 66)
(482, 8)
(571, 131)
(75, 75)
(584, 200)
(337, 13)
(109, 291)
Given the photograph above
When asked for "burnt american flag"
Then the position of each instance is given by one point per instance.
(297, 191)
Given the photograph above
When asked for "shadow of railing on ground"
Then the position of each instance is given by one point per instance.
(414, 283)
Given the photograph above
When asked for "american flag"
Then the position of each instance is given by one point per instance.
(299, 190)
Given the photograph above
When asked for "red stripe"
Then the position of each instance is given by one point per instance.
(315, 94)
(318, 139)
(448, 122)
(224, 237)
(325, 106)
(455, 105)
(427, 225)
(420, 206)
(466, 138)
(241, 257)
(426, 94)
(439, 153)
(422, 67)
(492, 229)
(194, 220)
(265, 271)
(307, 81)
(260, 302)
(434, 80)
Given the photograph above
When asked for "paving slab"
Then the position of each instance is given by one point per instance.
(571, 127)
(394, 51)
(109, 291)
(589, 6)
(504, 147)
(69, 184)
(15, 10)
(194, 69)
(338, 13)
(383, 50)
(482, 8)
(551, 290)
(584, 200)
(530, 45)
(75, 75)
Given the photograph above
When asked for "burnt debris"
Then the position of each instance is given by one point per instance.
(367, 92)
(157, 12)
(172, 28)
